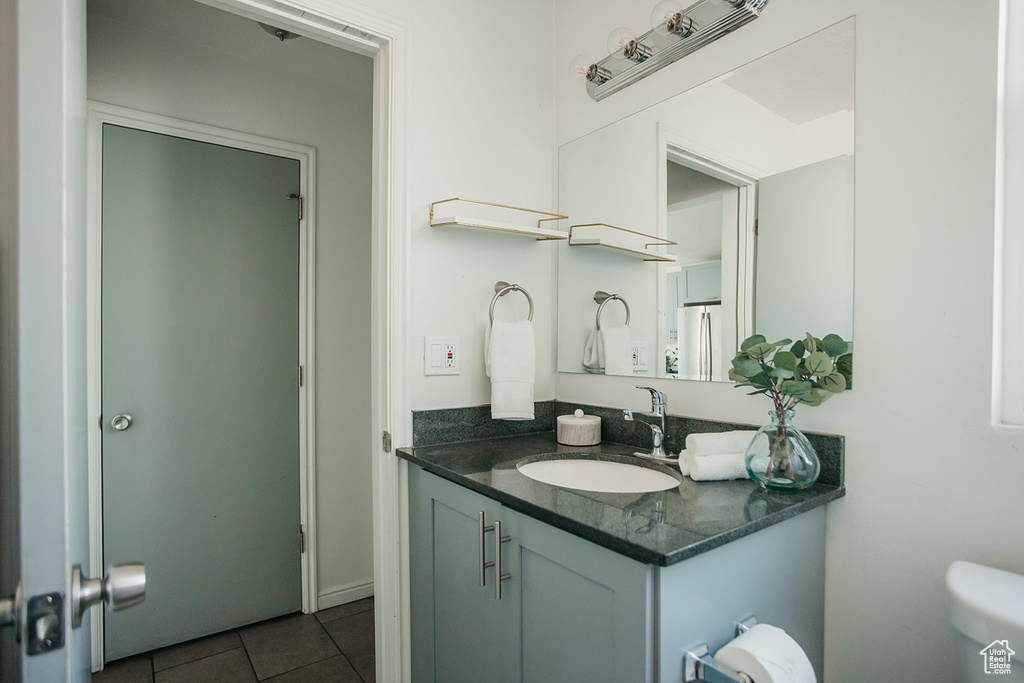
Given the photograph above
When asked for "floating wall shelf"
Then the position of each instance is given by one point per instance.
(629, 242)
(489, 222)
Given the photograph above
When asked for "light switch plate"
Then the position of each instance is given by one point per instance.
(441, 356)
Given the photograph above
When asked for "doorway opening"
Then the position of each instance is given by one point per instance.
(364, 401)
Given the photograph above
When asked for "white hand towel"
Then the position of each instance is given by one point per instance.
(593, 353)
(715, 467)
(510, 361)
(618, 350)
(718, 442)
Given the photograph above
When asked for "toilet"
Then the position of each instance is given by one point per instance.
(987, 610)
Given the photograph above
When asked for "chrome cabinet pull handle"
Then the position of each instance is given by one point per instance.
(481, 530)
(498, 575)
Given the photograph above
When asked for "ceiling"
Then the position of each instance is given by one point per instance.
(211, 28)
(804, 81)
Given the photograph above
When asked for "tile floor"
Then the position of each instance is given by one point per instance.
(335, 644)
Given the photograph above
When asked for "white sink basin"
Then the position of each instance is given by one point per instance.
(598, 475)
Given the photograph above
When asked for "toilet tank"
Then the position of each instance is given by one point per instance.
(987, 610)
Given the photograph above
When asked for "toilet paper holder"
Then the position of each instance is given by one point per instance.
(699, 665)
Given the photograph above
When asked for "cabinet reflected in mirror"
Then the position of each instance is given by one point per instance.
(751, 176)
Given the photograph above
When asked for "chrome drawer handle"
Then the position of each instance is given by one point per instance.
(481, 530)
(498, 575)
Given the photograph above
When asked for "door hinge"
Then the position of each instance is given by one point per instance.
(302, 539)
(755, 227)
(302, 203)
(298, 376)
(387, 441)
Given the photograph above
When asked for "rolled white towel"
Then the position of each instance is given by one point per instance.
(715, 467)
(719, 442)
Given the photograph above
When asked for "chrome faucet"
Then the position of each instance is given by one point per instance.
(654, 419)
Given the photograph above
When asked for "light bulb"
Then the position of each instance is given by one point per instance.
(619, 42)
(622, 44)
(663, 15)
(582, 65)
(667, 18)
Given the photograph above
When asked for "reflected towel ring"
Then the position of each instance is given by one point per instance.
(501, 288)
(603, 298)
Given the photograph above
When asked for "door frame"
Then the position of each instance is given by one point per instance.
(686, 151)
(386, 38)
(98, 115)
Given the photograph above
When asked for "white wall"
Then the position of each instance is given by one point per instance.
(482, 128)
(926, 475)
(204, 80)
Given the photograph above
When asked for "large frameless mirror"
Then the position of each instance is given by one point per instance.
(743, 190)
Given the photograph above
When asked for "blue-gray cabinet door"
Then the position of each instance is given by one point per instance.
(584, 612)
(456, 624)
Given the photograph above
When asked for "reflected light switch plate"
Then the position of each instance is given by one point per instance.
(640, 358)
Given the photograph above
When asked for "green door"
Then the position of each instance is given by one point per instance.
(200, 320)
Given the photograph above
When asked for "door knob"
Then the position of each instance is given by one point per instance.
(121, 421)
(124, 586)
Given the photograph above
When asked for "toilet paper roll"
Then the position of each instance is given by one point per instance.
(767, 654)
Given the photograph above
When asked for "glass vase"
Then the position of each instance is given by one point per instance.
(780, 456)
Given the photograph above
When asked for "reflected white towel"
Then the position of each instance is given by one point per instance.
(609, 351)
(714, 467)
(618, 350)
(593, 353)
(510, 361)
(719, 442)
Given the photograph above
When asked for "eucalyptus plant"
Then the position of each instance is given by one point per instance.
(810, 371)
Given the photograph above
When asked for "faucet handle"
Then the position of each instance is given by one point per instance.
(657, 397)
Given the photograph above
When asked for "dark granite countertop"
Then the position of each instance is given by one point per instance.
(659, 528)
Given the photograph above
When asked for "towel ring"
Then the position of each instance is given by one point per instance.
(501, 288)
(603, 298)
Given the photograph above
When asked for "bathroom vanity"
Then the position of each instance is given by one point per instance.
(597, 586)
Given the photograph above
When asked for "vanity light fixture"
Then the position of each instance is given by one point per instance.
(675, 33)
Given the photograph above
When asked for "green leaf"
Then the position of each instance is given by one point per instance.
(761, 351)
(845, 364)
(798, 349)
(815, 397)
(834, 383)
(738, 378)
(751, 341)
(783, 342)
(761, 381)
(818, 364)
(810, 344)
(795, 388)
(746, 368)
(833, 345)
(785, 359)
(782, 373)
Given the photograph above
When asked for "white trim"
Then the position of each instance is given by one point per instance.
(340, 595)
(1008, 280)
(98, 115)
(677, 147)
(388, 40)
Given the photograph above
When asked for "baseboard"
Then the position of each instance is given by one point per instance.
(343, 594)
